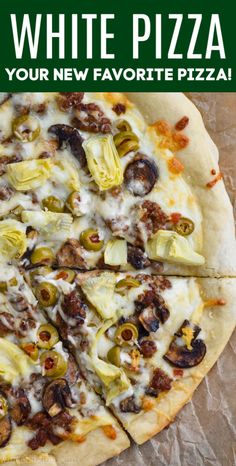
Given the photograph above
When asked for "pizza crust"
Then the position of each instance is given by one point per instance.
(218, 323)
(94, 450)
(199, 158)
(33, 460)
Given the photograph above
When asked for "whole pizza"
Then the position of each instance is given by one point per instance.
(117, 266)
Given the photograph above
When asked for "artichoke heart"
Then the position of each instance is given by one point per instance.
(113, 378)
(117, 387)
(14, 362)
(12, 239)
(106, 372)
(103, 161)
(171, 247)
(116, 252)
(48, 222)
(29, 174)
(99, 290)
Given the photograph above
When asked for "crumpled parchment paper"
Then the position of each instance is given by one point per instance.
(204, 432)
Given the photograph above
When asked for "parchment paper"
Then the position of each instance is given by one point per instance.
(204, 432)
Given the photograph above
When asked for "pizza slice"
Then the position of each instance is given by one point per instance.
(48, 410)
(87, 183)
(143, 342)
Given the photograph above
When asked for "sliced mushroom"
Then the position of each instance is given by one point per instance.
(128, 405)
(151, 299)
(179, 354)
(70, 255)
(137, 258)
(56, 397)
(149, 319)
(142, 332)
(68, 135)
(5, 430)
(140, 175)
(21, 409)
(161, 309)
